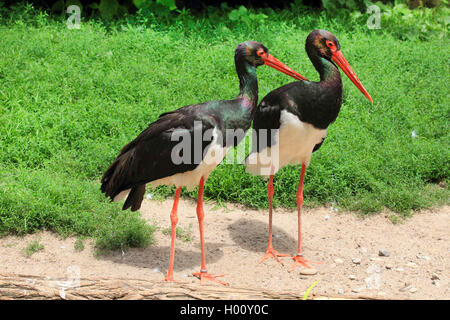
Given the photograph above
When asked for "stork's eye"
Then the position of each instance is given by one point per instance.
(261, 53)
(331, 45)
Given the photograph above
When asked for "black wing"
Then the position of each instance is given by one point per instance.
(149, 156)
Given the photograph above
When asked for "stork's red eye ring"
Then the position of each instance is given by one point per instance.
(331, 45)
(261, 53)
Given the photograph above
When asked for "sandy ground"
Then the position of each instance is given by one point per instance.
(236, 238)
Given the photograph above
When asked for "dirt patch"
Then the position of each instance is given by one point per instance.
(236, 238)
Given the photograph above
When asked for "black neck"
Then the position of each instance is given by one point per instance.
(327, 70)
(329, 88)
(248, 82)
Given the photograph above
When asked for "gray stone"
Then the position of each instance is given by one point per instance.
(308, 272)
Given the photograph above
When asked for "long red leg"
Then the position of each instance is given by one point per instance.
(271, 252)
(203, 274)
(174, 221)
(299, 259)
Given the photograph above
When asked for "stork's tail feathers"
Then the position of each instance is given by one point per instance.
(115, 184)
(135, 198)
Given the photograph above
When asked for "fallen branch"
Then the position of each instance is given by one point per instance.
(14, 286)
(35, 287)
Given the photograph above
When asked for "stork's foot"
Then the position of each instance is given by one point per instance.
(300, 260)
(203, 276)
(274, 254)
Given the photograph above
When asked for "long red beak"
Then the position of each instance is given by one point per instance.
(273, 62)
(340, 60)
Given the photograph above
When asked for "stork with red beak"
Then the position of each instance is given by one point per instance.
(149, 158)
(291, 122)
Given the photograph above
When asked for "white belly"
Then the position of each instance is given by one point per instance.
(190, 179)
(294, 143)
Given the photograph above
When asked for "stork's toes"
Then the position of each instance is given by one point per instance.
(273, 254)
(300, 260)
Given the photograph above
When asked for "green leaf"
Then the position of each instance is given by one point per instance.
(168, 4)
(242, 11)
(308, 291)
(233, 15)
(139, 3)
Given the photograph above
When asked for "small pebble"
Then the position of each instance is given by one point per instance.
(434, 282)
(434, 276)
(356, 260)
(308, 272)
(327, 217)
(411, 264)
(421, 256)
(355, 290)
(338, 261)
(341, 291)
(406, 287)
(413, 290)
(384, 253)
(363, 250)
(155, 270)
(352, 277)
(400, 269)
(277, 236)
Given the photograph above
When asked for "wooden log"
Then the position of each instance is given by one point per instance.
(18, 286)
(13, 286)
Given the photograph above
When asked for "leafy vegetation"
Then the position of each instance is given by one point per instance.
(182, 234)
(70, 99)
(32, 247)
(79, 244)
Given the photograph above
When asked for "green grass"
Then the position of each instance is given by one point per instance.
(182, 234)
(70, 99)
(32, 247)
(79, 244)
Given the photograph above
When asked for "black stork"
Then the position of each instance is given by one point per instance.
(291, 123)
(149, 159)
